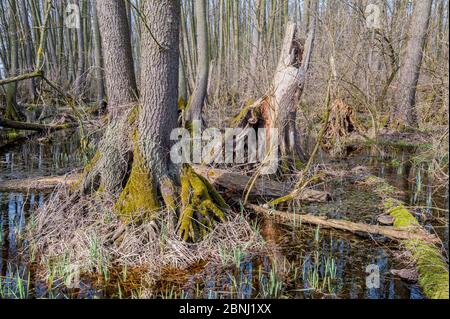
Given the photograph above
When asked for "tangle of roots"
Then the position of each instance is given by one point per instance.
(342, 124)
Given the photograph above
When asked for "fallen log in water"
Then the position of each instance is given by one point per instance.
(38, 183)
(230, 181)
(263, 187)
(344, 225)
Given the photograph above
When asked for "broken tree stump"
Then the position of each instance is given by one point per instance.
(231, 181)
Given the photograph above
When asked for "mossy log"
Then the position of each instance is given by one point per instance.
(430, 263)
(355, 228)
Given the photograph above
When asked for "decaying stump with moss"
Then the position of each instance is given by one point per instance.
(278, 107)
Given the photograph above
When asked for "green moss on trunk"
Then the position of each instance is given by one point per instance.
(201, 205)
(138, 200)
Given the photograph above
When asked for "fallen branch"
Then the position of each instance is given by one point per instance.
(22, 77)
(38, 183)
(35, 127)
(344, 225)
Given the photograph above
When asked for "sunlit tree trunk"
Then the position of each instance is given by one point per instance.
(405, 112)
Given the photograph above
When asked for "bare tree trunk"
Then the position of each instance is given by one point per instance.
(28, 47)
(98, 58)
(256, 36)
(111, 162)
(159, 93)
(405, 113)
(11, 91)
(278, 108)
(194, 112)
(117, 55)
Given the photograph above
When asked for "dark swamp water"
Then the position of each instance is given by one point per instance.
(316, 263)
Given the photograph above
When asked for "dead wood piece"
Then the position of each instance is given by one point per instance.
(263, 187)
(38, 183)
(344, 225)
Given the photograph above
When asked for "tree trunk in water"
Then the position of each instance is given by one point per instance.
(195, 109)
(405, 113)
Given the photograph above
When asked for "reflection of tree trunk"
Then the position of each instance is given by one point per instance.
(405, 113)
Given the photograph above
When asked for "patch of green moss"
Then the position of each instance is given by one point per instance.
(132, 117)
(138, 199)
(432, 269)
(198, 196)
(182, 105)
(403, 218)
(431, 266)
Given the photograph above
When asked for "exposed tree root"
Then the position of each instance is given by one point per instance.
(201, 206)
(342, 123)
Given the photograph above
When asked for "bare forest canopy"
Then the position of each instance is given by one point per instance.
(368, 40)
(308, 85)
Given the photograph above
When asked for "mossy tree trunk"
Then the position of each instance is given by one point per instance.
(133, 161)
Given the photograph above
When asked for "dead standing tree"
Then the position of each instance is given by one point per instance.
(278, 107)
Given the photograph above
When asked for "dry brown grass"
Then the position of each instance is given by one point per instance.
(84, 232)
